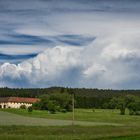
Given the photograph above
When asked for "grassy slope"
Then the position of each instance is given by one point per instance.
(130, 126)
(66, 132)
(100, 115)
(7, 118)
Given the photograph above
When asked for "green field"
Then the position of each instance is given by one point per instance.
(18, 124)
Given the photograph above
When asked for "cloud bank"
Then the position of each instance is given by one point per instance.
(112, 62)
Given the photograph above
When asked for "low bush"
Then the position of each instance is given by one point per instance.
(30, 109)
(22, 107)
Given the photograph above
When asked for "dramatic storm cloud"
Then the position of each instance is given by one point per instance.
(85, 43)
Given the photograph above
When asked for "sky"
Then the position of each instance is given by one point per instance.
(70, 43)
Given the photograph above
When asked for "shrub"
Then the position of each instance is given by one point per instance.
(131, 112)
(93, 110)
(30, 109)
(51, 107)
(137, 113)
(64, 110)
(23, 107)
(36, 106)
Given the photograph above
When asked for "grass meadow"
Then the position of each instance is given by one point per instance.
(16, 124)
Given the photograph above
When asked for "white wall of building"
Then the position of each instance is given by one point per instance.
(14, 105)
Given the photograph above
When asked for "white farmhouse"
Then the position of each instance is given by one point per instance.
(16, 102)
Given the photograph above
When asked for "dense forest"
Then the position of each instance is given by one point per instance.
(84, 98)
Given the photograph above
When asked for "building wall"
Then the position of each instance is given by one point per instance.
(14, 105)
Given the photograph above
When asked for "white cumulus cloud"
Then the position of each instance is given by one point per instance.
(103, 64)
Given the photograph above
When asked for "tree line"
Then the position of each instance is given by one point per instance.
(84, 98)
(130, 102)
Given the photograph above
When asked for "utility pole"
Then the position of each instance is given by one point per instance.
(73, 109)
(70, 91)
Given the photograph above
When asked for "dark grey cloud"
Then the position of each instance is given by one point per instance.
(21, 39)
(15, 58)
(75, 40)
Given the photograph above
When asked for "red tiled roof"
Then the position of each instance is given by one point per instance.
(19, 99)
